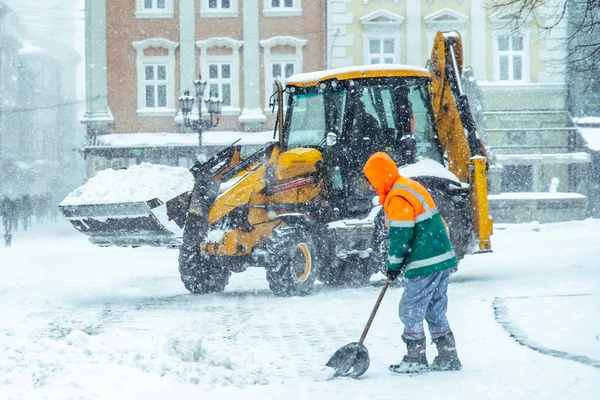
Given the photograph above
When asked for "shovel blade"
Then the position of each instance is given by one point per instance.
(351, 360)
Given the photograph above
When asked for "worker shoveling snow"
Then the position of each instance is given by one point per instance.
(137, 183)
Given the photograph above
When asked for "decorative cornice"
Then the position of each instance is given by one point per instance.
(455, 16)
(219, 41)
(430, 2)
(508, 19)
(366, 2)
(283, 41)
(141, 45)
(392, 19)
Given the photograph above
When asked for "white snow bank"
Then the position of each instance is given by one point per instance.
(185, 358)
(362, 69)
(535, 196)
(29, 48)
(547, 158)
(324, 374)
(587, 120)
(427, 167)
(591, 137)
(533, 322)
(158, 139)
(136, 183)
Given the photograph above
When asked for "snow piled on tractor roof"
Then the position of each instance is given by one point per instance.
(137, 183)
(332, 73)
(427, 167)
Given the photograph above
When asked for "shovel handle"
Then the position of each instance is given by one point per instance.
(377, 303)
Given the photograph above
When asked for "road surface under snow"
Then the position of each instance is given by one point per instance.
(78, 321)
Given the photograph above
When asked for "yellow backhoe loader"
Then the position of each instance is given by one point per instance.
(300, 207)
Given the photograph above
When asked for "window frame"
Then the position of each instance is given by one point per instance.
(141, 62)
(282, 11)
(155, 82)
(220, 80)
(150, 13)
(381, 55)
(510, 53)
(219, 12)
(282, 59)
(233, 59)
(505, 25)
(382, 24)
(268, 59)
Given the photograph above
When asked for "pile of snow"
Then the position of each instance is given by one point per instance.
(591, 137)
(535, 196)
(185, 358)
(587, 120)
(136, 183)
(427, 167)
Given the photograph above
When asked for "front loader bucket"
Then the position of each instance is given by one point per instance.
(140, 223)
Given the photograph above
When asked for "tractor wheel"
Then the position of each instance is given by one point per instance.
(456, 215)
(202, 274)
(291, 261)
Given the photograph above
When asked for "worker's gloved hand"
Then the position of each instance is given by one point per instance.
(392, 275)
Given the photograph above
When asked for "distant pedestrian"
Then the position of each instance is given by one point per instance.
(26, 211)
(7, 209)
(421, 251)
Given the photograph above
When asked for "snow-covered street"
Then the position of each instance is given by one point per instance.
(79, 321)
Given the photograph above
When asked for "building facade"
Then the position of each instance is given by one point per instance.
(515, 64)
(38, 113)
(143, 54)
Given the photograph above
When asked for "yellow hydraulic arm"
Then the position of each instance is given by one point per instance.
(456, 129)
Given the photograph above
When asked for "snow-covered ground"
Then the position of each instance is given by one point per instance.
(82, 322)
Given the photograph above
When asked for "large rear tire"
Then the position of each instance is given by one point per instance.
(292, 261)
(202, 274)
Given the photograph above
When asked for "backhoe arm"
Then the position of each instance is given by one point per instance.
(456, 128)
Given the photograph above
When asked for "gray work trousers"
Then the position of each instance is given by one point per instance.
(425, 298)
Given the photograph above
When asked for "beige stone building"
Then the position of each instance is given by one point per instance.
(521, 81)
(143, 54)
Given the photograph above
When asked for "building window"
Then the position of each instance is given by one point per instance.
(282, 3)
(222, 71)
(155, 4)
(510, 57)
(219, 8)
(281, 71)
(381, 51)
(154, 9)
(156, 85)
(279, 65)
(381, 38)
(219, 4)
(156, 78)
(219, 75)
(511, 47)
(282, 8)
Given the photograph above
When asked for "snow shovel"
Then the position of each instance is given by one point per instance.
(353, 359)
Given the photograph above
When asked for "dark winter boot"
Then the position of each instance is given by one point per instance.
(447, 358)
(414, 361)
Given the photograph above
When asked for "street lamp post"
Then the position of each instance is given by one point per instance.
(213, 105)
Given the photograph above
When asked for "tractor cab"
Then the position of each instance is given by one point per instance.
(350, 114)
